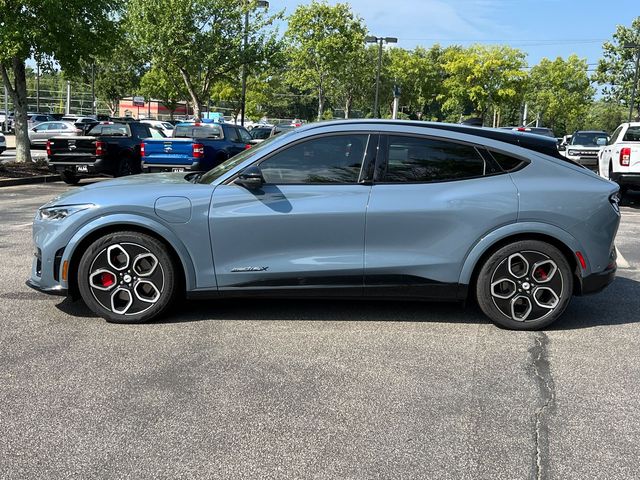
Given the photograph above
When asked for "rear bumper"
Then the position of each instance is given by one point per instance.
(596, 282)
(160, 167)
(93, 168)
(627, 179)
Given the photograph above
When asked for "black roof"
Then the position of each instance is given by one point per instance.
(530, 141)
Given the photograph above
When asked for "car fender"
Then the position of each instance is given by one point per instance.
(124, 220)
(495, 236)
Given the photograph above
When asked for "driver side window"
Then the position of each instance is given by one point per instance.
(332, 159)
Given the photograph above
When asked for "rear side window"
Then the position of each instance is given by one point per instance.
(614, 135)
(193, 131)
(507, 162)
(632, 135)
(414, 159)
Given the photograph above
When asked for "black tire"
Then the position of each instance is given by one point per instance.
(69, 178)
(127, 288)
(525, 295)
(125, 167)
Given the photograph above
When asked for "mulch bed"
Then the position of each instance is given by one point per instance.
(23, 169)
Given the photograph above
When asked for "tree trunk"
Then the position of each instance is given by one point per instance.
(18, 93)
(320, 104)
(195, 101)
(347, 107)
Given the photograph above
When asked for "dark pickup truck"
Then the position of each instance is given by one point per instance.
(194, 146)
(108, 149)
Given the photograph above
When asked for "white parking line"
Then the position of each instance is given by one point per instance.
(621, 261)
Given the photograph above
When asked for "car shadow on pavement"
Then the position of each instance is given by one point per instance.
(617, 305)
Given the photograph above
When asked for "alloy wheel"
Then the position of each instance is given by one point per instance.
(126, 279)
(527, 286)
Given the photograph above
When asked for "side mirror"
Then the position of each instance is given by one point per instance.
(562, 147)
(250, 178)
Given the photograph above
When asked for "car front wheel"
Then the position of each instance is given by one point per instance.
(127, 277)
(525, 285)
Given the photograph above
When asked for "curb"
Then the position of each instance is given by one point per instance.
(10, 182)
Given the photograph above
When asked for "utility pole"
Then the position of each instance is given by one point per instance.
(380, 41)
(37, 87)
(68, 106)
(635, 46)
(94, 109)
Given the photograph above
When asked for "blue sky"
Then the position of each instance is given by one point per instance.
(542, 28)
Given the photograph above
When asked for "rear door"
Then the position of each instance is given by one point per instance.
(304, 230)
(432, 200)
(236, 144)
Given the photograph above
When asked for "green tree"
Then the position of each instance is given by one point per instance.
(323, 41)
(117, 74)
(482, 77)
(201, 39)
(616, 69)
(560, 92)
(164, 85)
(605, 115)
(50, 30)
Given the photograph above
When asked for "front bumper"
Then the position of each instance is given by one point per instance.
(55, 290)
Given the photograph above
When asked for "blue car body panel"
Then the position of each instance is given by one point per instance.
(421, 239)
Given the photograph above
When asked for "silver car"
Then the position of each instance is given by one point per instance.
(358, 209)
(42, 132)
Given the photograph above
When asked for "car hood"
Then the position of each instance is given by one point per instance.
(153, 181)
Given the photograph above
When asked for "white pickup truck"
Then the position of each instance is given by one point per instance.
(619, 160)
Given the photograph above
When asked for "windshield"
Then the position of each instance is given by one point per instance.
(589, 139)
(224, 167)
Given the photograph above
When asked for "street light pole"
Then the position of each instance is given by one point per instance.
(37, 87)
(380, 41)
(245, 44)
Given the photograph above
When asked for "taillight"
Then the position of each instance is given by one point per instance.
(101, 148)
(48, 148)
(142, 154)
(625, 157)
(198, 150)
(247, 146)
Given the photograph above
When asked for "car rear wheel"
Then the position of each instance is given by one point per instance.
(127, 277)
(69, 178)
(525, 285)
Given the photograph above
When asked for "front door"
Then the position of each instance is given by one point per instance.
(304, 229)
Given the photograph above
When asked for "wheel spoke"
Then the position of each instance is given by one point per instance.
(543, 272)
(520, 308)
(121, 300)
(503, 288)
(117, 257)
(518, 265)
(146, 291)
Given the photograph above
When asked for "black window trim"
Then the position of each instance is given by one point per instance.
(368, 156)
(382, 160)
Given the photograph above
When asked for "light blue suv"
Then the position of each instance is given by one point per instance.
(359, 209)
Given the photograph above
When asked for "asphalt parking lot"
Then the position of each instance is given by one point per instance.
(310, 389)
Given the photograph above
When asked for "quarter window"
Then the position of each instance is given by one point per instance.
(413, 159)
(329, 159)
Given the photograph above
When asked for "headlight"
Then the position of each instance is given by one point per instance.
(61, 212)
(571, 152)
